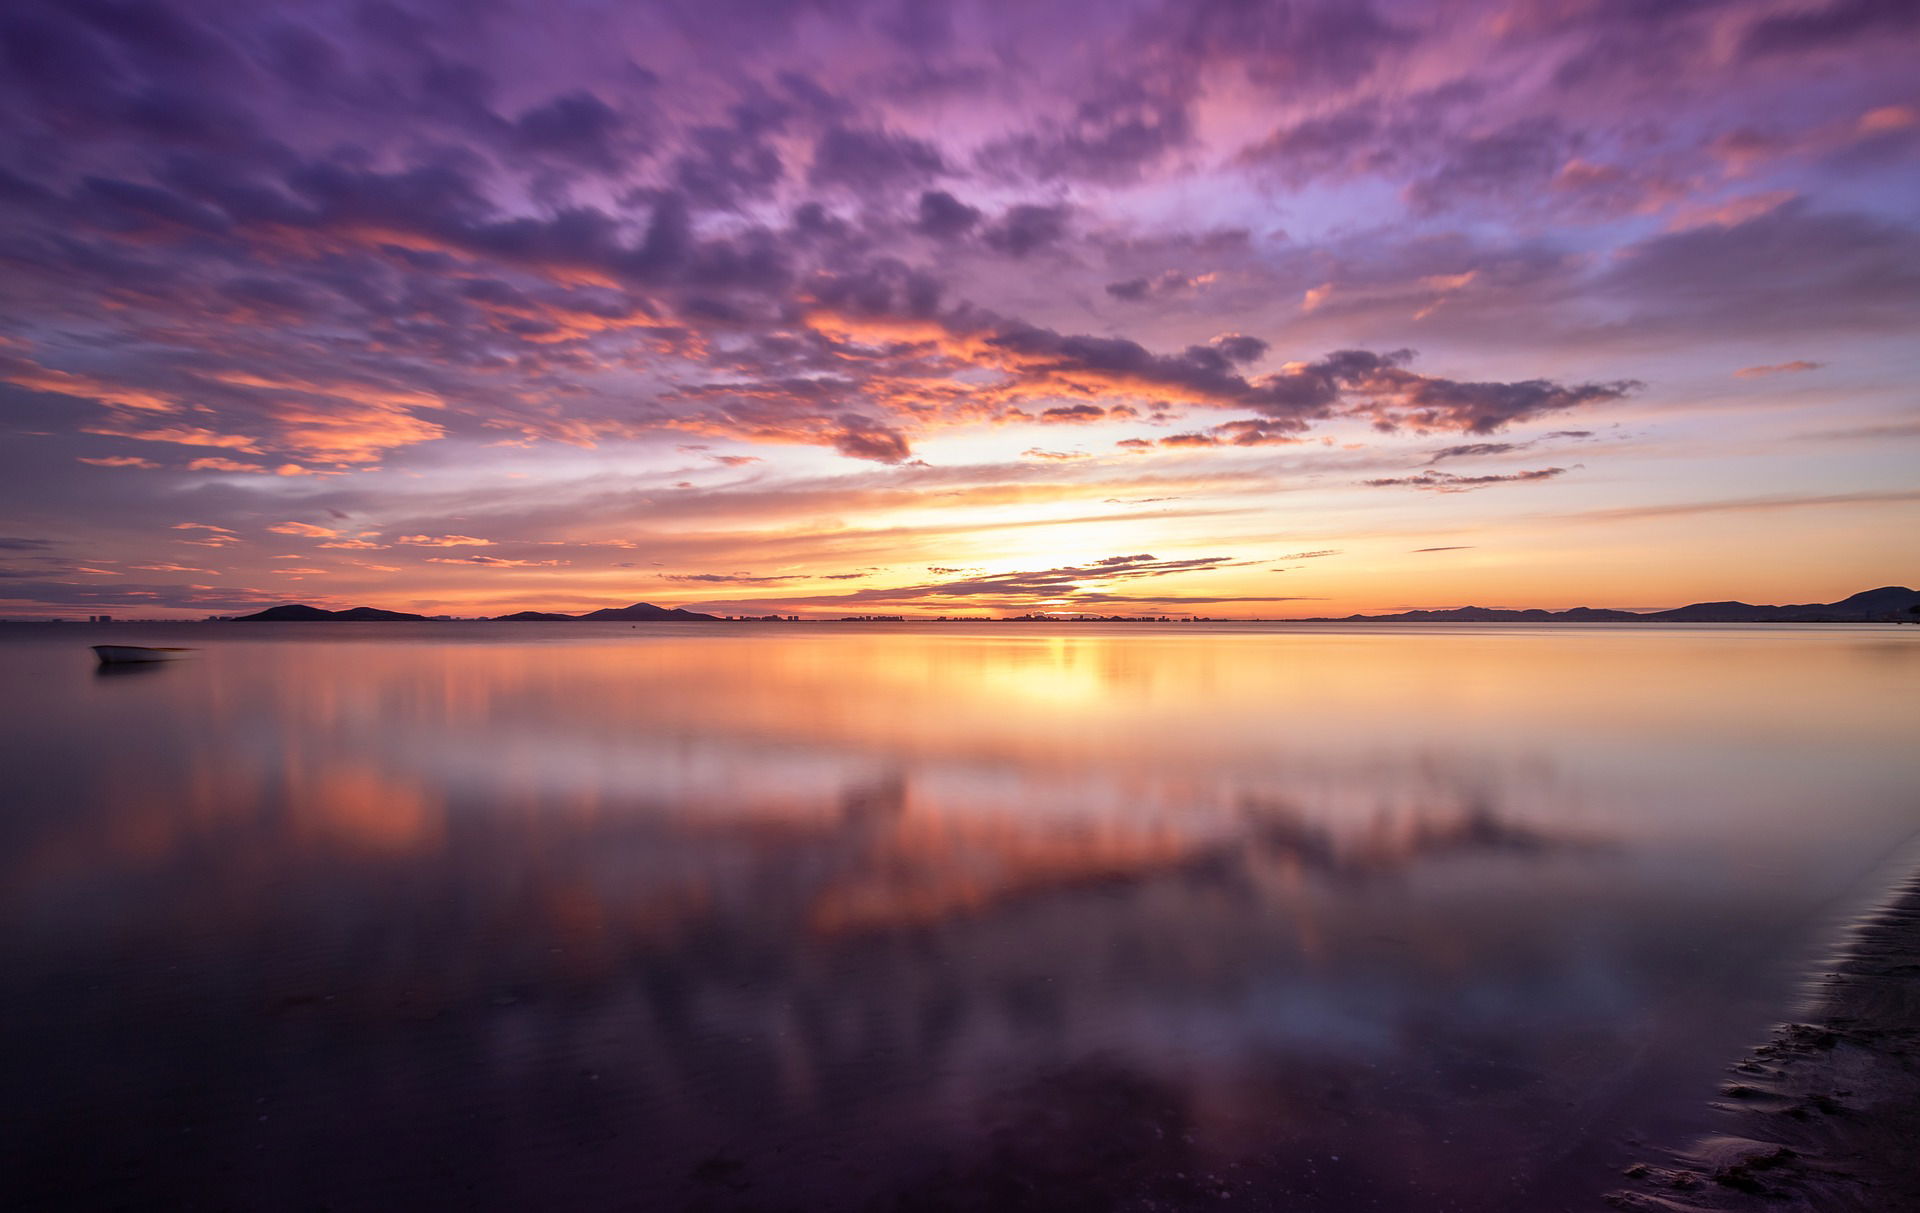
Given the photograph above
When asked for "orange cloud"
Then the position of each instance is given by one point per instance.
(360, 393)
(1731, 213)
(360, 434)
(1055, 456)
(181, 435)
(23, 373)
(497, 562)
(218, 463)
(1779, 368)
(445, 541)
(1888, 118)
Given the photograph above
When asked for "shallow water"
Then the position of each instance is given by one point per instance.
(902, 917)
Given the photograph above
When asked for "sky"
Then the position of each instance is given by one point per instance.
(906, 306)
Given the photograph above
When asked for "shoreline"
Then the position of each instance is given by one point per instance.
(1825, 1115)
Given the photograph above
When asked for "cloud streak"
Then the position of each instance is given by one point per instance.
(1447, 482)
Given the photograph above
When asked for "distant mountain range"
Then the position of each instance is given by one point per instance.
(301, 613)
(1871, 606)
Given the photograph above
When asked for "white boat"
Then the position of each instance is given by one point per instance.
(129, 654)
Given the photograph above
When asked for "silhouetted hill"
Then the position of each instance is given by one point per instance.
(531, 617)
(645, 611)
(1886, 598)
(291, 613)
(301, 613)
(373, 615)
(1871, 606)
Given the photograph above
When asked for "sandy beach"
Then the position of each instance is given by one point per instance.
(1825, 1115)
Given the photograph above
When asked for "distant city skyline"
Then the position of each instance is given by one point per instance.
(911, 308)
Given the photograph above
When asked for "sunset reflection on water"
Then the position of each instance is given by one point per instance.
(967, 917)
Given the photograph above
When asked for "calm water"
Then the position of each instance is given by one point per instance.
(817, 917)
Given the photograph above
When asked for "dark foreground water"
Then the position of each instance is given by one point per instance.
(558, 917)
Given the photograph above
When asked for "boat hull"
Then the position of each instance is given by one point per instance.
(133, 654)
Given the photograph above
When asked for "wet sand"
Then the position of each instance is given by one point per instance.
(1825, 1116)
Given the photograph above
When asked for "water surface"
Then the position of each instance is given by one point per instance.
(912, 917)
